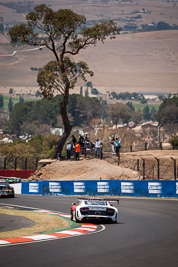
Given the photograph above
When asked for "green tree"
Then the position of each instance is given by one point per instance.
(152, 113)
(1, 101)
(161, 25)
(89, 85)
(37, 94)
(130, 105)
(86, 92)
(64, 33)
(137, 116)
(83, 109)
(161, 97)
(143, 101)
(10, 104)
(21, 99)
(168, 111)
(146, 113)
(11, 91)
(119, 112)
(26, 117)
(114, 95)
(81, 90)
(174, 141)
(94, 91)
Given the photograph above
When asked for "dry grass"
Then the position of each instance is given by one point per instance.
(139, 62)
(43, 222)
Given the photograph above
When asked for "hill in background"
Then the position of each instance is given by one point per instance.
(140, 62)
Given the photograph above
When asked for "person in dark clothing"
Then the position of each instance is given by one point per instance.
(68, 149)
(81, 143)
(73, 140)
(117, 146)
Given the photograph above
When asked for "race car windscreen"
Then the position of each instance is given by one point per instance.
(95, 202)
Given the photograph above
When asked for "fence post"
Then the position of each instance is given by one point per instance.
(36, 165)
(85, 151)
(146, 145)
(26, 159)
(138, 165)
(5, 161)
(174, 160)
(118, 159)
(161, 146)
(101, 152)
(15, 163)
(130, 148)
(143, 165)
(157, 167)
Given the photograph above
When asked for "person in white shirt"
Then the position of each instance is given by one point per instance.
(97, 148)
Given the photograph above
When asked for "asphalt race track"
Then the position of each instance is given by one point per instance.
(146, 235)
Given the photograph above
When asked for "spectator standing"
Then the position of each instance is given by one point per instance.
(77, 150)
(117, 146)
(81, 143)
(73, 140)
(87, 138)
(81, 140)
(97, 148)
(68, 150)
(92, 146)
(112, 144)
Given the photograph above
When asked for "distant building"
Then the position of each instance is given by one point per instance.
(131, 124)
(58, 131)
(149, 124)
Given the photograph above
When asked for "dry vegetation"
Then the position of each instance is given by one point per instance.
(43, 222)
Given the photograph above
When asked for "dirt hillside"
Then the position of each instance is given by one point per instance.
(86, 169)
(94, 169)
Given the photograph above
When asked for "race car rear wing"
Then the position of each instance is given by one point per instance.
(100, 199)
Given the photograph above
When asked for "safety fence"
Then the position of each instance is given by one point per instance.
(149, 168)
(168, 189)
(18, 163)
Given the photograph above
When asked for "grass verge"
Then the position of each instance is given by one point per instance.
(43, 223)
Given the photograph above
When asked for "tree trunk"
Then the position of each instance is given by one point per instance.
(67, 127)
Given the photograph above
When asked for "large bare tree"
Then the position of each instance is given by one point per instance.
(64, 33)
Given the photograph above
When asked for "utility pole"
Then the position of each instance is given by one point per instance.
(159, 143)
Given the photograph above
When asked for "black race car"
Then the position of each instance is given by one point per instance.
(6, 190)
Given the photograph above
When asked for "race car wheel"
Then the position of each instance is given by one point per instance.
(76, 220)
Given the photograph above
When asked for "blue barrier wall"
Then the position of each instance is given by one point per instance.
(103, 187)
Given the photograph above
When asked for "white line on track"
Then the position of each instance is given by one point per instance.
(92, 231)
(54, 238)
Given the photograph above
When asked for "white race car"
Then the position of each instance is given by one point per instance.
(94, 208)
